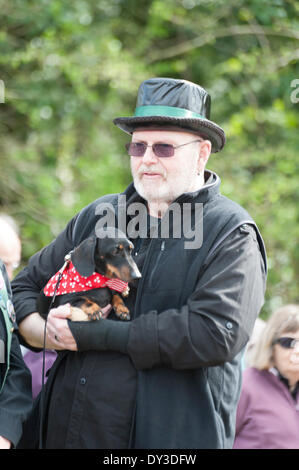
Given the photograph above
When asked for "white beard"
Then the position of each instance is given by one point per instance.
(170, 186)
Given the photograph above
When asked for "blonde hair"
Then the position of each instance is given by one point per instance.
(283, 320)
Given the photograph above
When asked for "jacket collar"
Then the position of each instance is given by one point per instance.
(285, 381)
(207, 192)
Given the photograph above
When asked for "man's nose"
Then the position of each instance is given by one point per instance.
(149, 156)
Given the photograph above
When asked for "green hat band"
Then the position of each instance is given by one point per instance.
(167, 111)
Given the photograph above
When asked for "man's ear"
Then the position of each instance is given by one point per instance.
(204, 154)
(83, 256)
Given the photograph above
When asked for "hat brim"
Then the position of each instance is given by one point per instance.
(203, 127)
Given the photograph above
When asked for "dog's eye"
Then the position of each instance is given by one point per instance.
(117, 250)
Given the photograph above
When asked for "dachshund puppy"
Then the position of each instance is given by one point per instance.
(95, 274)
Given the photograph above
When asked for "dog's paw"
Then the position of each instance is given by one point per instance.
(122, 312)
(79, 314)
(95, 315)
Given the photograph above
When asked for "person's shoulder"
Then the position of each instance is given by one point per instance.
(239, 218)
(233, 207)
(93, 208)
(253, 377)
(113, 199)
(85, 220)
(106, 199)
(251, 373)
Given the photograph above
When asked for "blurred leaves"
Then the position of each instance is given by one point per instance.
(70, 68)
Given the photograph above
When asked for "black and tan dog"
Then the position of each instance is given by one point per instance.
(96, 273)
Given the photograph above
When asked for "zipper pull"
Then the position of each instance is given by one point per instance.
(163, 245)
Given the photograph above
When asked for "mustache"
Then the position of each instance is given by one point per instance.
(152, 170)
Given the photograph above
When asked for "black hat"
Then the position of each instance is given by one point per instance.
(169, 102)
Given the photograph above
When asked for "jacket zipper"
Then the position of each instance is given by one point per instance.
(145, 267)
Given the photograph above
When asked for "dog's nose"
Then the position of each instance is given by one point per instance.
(135, 273)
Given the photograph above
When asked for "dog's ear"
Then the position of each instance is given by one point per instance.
(83, 256)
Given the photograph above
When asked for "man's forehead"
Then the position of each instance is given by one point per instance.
(10, 244)
(162, 132)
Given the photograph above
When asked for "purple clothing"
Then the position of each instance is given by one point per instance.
(267, 415)
(34, 362)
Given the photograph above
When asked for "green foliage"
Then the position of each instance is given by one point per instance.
(70, 68)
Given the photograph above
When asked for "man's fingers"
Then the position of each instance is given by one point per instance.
(63, 311)
(58, 332)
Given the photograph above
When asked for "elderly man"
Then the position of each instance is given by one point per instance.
(169, 378)
(10, 244)
(15, 378)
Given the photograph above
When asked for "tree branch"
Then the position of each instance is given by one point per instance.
(236, 30)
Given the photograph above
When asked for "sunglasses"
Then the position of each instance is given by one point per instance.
(138, 149)
(286, 342)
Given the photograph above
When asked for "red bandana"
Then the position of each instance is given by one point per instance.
(71, 281)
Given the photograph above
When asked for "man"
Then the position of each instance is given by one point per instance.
(169, 378)
(15, 379)
(10, 254)
(10, 244)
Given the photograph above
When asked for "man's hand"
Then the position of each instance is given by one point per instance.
(4, 443)
(32, 329)
(59, 335)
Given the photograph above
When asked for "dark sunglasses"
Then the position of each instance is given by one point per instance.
(287, 343)
(138, 149)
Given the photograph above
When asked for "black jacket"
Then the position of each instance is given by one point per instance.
(175, 381)
(16, 394)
